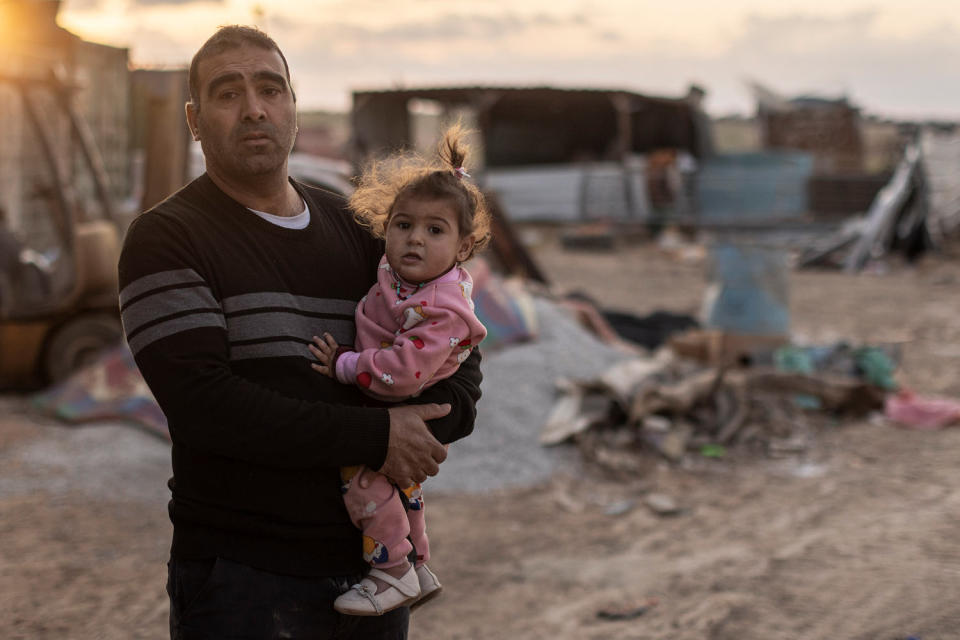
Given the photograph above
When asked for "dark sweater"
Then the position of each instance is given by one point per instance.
(218, 307)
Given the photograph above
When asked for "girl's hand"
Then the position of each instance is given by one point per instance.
(325, 350)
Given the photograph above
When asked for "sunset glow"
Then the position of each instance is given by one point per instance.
(888, 57)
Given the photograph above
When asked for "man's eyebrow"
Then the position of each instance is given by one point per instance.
(234, 76)
(272, 76)
(222, 80)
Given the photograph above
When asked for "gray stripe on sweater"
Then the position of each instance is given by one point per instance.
(278, 324)
(276, 349)
(157, 280)
(173, 326)
(275, 320)
(269, 299)
(167, 303)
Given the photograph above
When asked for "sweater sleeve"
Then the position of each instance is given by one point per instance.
(177, 331)
(406, 366)
(461, 391)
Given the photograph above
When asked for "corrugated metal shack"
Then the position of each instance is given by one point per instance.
(828, 128)
(831, 130)
(539, 125)
(552, 153)
(34, 47)
(941, 154)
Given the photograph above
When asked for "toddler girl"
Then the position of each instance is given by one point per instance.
(414, 327)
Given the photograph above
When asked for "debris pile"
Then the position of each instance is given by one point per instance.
(670, 404)
(917, 210)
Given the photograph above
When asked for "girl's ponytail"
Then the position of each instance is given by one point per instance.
(453, 151)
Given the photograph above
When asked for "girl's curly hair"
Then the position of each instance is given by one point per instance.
(385, 182)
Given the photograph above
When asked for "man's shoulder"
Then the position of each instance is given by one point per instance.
(186, 201)
(333, 209)
(181, 219)
(322, 197)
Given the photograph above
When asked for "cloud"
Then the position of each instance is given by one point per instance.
(609, 35)
(849, 54)
(160, 48)
(85, 5)
(345, 47)
(442, 28)
(156, 3)
(802, 32)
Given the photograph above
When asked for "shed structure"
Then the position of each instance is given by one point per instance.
(539, 125)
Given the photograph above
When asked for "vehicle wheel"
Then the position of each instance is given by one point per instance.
(78, 342)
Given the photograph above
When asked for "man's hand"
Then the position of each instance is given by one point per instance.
(325, 350)
(412, 451)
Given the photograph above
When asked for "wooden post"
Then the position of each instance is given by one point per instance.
(167, 143)
(622, 105)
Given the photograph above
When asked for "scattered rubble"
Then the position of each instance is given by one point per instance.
(670, 405)
(662, 504)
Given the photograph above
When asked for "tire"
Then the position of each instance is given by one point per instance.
(78, 342)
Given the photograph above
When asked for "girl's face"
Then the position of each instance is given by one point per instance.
(423, 239)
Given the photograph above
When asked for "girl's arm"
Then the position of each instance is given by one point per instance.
(461, 391)
(414, 359)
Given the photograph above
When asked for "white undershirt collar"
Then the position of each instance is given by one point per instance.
(299, 221)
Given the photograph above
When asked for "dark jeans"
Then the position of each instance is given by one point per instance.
(215, 599)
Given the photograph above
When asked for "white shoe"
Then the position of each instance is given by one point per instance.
(363, 599)
(430, 586)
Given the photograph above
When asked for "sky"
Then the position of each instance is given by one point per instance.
(890, 57)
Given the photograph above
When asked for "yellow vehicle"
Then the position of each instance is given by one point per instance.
(57, 313)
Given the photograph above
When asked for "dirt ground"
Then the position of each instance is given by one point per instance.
(859, 537)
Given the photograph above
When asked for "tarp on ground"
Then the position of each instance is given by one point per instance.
(112, 387)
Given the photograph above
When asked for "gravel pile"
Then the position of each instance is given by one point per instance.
(518, 393)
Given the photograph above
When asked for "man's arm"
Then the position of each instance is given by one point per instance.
(461, 391)
(177, 332)
(409, 435)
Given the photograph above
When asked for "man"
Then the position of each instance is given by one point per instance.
(222, 287)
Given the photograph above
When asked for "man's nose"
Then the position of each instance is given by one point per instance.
(253, 105)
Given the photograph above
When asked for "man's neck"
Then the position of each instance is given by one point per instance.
(271, 193)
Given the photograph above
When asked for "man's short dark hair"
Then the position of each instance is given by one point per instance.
(231, 37)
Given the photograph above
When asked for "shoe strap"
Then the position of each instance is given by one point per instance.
(406, 589)
(368, 590)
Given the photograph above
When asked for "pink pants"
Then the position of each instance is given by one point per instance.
(379, 514)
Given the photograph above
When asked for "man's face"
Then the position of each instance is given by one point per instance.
(246, 119)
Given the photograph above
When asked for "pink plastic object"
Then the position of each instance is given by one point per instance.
(921, 412)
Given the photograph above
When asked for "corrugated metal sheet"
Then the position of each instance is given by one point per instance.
(941, 163)
(572, 192)
(760, 185)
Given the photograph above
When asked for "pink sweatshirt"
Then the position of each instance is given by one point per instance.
(411, 338)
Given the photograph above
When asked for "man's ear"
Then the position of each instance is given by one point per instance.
(191, 110)
(464, 248)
